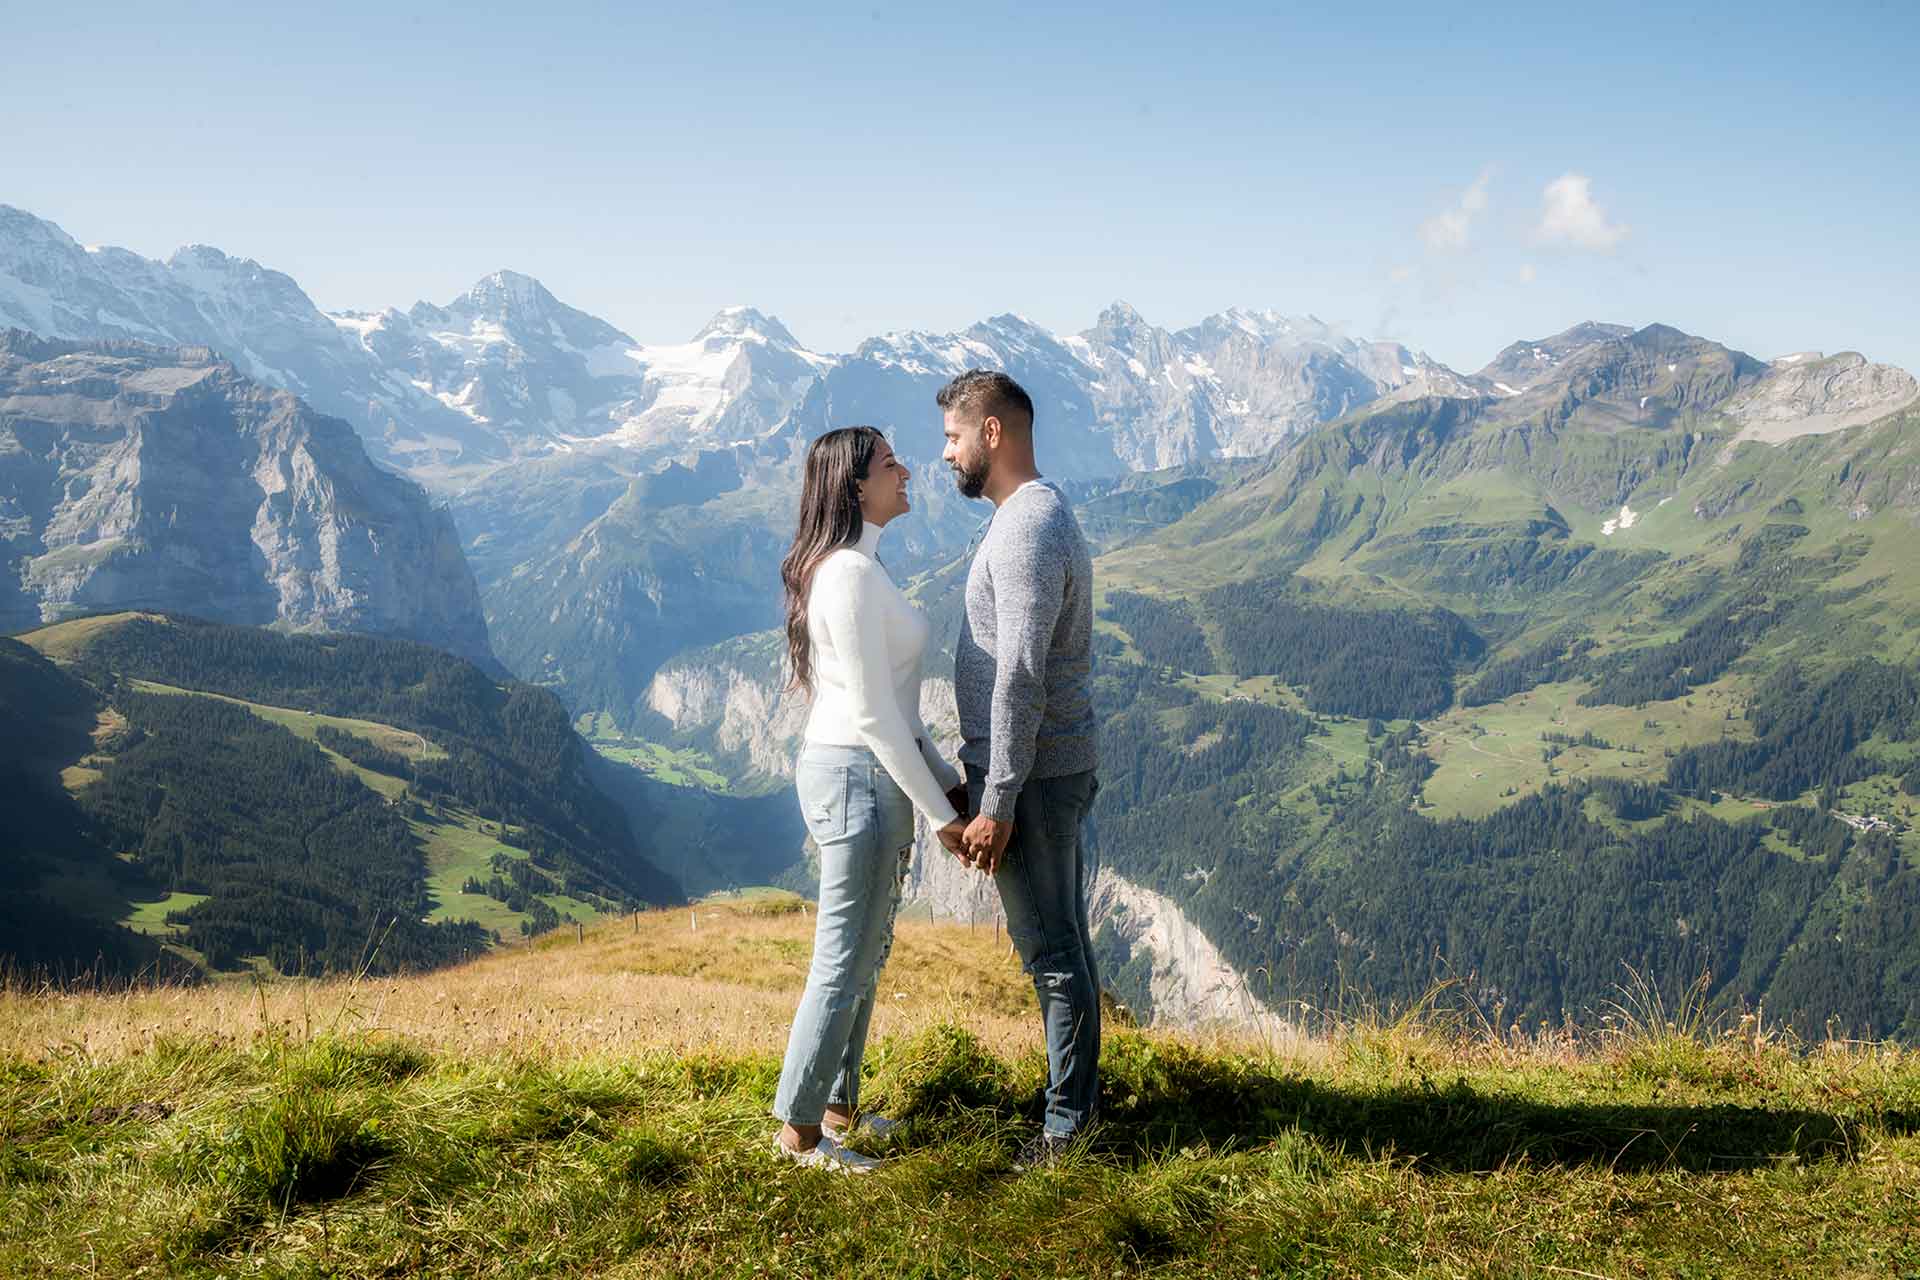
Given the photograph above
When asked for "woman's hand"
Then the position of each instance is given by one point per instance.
(953, 836)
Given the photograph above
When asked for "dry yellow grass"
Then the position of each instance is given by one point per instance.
(728, 987)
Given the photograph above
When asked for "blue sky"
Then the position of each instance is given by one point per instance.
(1747, 172)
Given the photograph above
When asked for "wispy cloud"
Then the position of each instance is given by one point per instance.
(1570, 215)
(1450, 230)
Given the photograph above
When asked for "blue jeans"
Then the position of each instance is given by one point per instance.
(1043, 888)
(862, 824)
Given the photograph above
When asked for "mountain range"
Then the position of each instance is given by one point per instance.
(1598, 656)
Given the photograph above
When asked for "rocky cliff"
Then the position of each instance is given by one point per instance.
(135, 476)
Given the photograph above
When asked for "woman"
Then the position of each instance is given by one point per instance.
(855, 644)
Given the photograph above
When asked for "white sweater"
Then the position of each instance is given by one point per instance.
(867, 640)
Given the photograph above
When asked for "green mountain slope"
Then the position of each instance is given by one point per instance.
(1578, 685)
(238, 797)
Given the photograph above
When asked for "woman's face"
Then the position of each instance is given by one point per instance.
(883, 494)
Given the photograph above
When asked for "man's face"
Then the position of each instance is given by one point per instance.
(966, 453)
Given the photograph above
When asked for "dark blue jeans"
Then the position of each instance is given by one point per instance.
(1043, 888)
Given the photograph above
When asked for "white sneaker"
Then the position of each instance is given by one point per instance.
(871, 1127)
(827, 1154)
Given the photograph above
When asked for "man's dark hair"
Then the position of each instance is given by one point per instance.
(988, 393)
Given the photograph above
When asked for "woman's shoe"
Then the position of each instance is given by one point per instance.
(826, 1154)
(871, 1127)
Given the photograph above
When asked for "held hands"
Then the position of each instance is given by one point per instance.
(981, 843)
(951, 835)
(985, 840)
(953, 838)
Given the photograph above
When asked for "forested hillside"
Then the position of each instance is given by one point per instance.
(310, 803)
(1560, 709)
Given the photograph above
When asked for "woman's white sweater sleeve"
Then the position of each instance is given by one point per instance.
(849, 609)
(942, 769)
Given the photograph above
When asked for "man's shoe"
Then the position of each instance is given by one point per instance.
(1041, 1151)
(826, 1154)
(871, 1127)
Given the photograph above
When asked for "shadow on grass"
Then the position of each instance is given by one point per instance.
(1158, 1097)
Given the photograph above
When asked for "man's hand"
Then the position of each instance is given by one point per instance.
(954, 837)
(986, 839)
(957, 797)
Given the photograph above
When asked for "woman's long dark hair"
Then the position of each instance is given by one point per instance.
(829, 519)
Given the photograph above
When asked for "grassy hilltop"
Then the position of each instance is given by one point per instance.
(599, 1107)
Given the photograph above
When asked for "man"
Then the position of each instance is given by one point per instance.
(1022, 676)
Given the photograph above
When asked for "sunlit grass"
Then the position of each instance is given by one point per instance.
(601, 1108)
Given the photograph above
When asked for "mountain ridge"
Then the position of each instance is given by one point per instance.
(143, 476)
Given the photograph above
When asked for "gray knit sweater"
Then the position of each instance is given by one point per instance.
(1023, 668)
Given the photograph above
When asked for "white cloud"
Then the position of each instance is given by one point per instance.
(1570, 215)
(1528, 273)
(1448, 231)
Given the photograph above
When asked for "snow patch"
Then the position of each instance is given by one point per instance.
(1139, 370)
(1625, 520)
(360, 324)
(1505, 389)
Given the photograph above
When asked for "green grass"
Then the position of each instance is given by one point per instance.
(1398, 1153)
(459, 844)
(1483, 753)
(151, 917)
(674, 766)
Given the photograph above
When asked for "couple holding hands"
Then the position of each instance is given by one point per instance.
(1022, 676)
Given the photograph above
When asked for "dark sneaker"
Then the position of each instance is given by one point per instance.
(1041, 1151)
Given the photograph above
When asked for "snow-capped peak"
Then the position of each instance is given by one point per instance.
(21, 233)
(508, 290)
(740, 323)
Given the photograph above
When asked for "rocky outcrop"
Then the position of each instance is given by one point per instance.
(143, 477)
(734, 698)
(1193, 986)
(1810, 394)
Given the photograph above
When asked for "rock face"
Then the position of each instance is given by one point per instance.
(1192, 985)
(134, 476)
(1808, 394)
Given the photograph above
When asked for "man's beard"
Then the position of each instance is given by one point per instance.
(972, 480)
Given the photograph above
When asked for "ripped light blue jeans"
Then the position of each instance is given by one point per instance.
(862, 824)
